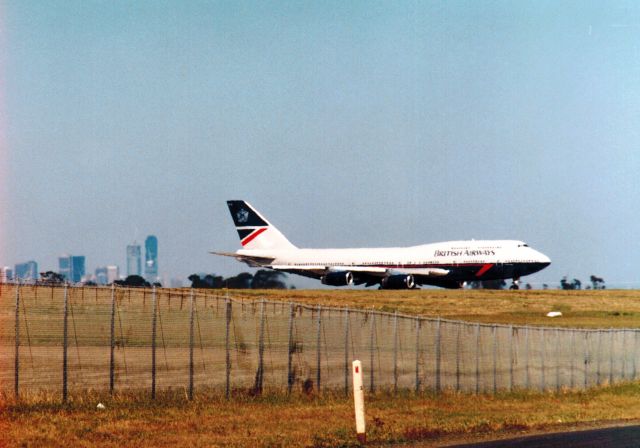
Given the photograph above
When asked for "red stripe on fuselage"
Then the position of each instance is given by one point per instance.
(250, 238)
(484, 269)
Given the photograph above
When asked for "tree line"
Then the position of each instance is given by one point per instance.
(262, 279)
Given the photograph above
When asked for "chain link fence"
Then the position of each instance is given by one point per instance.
(63, 339)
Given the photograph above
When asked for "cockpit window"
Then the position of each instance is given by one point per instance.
(523, 245)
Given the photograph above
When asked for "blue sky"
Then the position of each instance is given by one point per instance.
(346, 123)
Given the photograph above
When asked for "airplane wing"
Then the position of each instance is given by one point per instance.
(251, 260)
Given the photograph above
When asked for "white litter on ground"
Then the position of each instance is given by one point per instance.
(554, 314)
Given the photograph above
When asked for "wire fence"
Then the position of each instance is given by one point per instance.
(63, 339)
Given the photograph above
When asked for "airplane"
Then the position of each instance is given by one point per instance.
(449, 264)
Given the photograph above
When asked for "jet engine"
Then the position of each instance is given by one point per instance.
(398, 281)
(341, 278)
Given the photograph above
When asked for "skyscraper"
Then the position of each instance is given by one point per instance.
(101, 275)
(151, 259)
(106, 275)
(71, 267)
(134, 263)
(27, 271)
(6, 274)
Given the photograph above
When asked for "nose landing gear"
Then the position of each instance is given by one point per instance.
(516, 283)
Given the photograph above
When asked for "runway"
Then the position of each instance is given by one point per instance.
(617, 437)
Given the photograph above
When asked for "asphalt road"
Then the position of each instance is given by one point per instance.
(618, 437)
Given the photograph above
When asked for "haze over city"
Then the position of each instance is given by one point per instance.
(348, 125)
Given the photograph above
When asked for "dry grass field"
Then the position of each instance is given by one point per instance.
(308, 421)
(581, 309)
(134, 420)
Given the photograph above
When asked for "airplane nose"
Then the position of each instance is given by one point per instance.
(542, 258)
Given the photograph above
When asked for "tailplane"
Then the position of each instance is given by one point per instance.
(254, 230)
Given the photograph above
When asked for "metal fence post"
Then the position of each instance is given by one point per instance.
(624, 354)
(319, 351)
(543, 380)
(395, 352)
(458, 336)
(526, 358)
(417, 355)
(438, 360)
(586, 358)
(290, 351)
(64, 343)
(611, 376)
(599, 354)
(510, 358)
(227, 343)
(494, 331)
(112, 358)
(16, 385)
(346, 352)
(153, 344)
(260, 373)
(557, 360)
(372, 384)
(573, 359)
(477, 358)
(191, 340)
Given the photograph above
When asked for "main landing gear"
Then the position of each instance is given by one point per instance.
(515, 284)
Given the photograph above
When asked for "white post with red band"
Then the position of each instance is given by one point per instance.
(358, 399)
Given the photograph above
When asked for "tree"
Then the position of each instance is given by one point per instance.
(266, 279)
(263, 279)
(135, 281)
(240, 281)
(597, 282)
(575, 284)
(51, 278)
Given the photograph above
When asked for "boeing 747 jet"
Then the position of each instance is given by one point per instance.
(448, 264)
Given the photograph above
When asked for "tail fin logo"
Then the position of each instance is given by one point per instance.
(242, 216)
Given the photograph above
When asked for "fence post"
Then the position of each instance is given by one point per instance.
(586, 358)
(372, 384)
(458, 325)
(543, 380)
(346, 352)
(64, 343)
(227, 343)
(510, 358)
(16, 385)
(112, 358)
(153, 344)
(624, 354)
(557, 332)
(395, 353)
(598, 381)
(611, 334)
(477, 358)
(572, 381)
(526, 358)
(260, 372)
(191, 338)
(319, 351)
(494, 331)
(417, 355)
(438, 360)
(291, 349)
